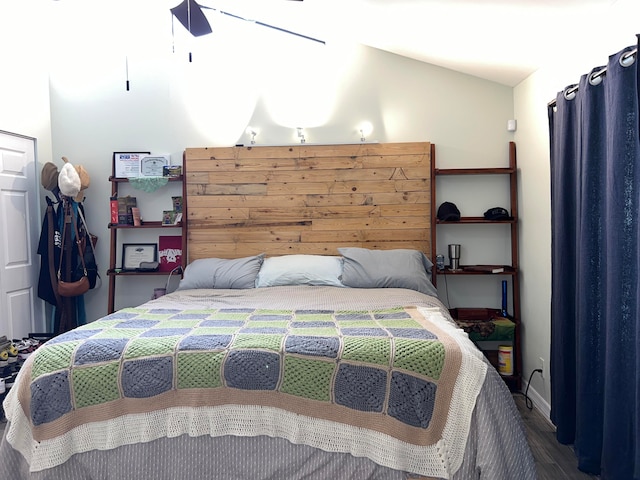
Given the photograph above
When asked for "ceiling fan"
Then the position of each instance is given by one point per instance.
(191, 15)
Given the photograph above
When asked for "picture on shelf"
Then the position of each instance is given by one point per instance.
(170, 252)
(171, 217)
(171, 171)
(127, 164)
(177, 204)
(135, 255)
(153, 165)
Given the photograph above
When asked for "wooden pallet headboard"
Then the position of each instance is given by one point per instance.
(309, 199)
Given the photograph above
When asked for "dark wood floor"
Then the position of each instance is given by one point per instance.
(553, 460)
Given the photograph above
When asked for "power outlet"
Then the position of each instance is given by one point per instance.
(541, 367)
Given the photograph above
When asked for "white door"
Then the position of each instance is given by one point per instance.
(21, 311)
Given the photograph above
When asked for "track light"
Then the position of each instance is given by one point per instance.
(301, 135)
(365, 129)
(253, 132)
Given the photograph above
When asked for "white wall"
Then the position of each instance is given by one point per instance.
(24, 89)
(173, 104)
(582, 52)
(274, 83)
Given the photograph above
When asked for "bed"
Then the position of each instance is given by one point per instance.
(331, 359)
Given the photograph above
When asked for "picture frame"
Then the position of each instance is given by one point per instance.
(134, 255)
(127, 164)
(153, 165)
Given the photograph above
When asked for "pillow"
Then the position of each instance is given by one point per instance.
(221, 273)
(300, 270)
(400, 268)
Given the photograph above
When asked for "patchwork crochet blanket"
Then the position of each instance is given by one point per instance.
(396, 385)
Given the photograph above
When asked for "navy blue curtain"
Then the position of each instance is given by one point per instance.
(595, 243)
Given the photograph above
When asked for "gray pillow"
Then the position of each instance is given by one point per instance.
(400, 268)
(222, 273)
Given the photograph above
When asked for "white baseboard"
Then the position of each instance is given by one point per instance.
(539, 403)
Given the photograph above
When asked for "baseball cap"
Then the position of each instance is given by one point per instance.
(448, 212)
(497, 213)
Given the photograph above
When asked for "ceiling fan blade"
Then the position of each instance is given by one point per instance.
(198, 24)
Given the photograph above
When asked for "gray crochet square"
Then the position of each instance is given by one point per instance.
(99, 350)
(205, 342)
(50, 397)
(314, 346)
(73, 335)
(252, 369)
(411, 399)
(361, 388)
(165, 332)
(412, 333)
(147, 377)
(364, 332)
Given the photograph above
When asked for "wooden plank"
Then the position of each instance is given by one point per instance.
(366, 223)
(237, 250)
(307, 198)
(334, 187)
(349, 162)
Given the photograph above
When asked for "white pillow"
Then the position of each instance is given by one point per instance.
(300, 270)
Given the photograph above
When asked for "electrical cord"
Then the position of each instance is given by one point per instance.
(527, 400)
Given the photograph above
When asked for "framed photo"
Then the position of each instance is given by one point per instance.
(153, 165)
(135, 254)
(127, 164)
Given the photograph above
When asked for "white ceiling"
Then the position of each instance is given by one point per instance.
(499, 40)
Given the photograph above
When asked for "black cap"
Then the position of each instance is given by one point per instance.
(448, 212)
(497, 213)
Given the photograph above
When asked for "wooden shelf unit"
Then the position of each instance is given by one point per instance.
(511, 271)
(113, 271)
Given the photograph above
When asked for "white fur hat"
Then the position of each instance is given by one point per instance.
(69, 181)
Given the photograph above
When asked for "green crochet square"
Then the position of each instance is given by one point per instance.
(154, 316)
(214, 330)
(95, 385)
(141, 347)
(250, 340)
(367, 349)
(308, 378)
(200, 370)
(313, 317)
(425, 357)
(51, 358)
(119, 333)
(357, 324)
(104, 323)
(404, 323)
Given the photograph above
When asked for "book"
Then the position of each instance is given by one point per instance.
(484, 268)
(125, 214)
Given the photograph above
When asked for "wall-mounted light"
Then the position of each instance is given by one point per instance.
(301, 134)
(365, 129)
(252, 132)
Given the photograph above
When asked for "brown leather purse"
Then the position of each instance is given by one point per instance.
(79, 287)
